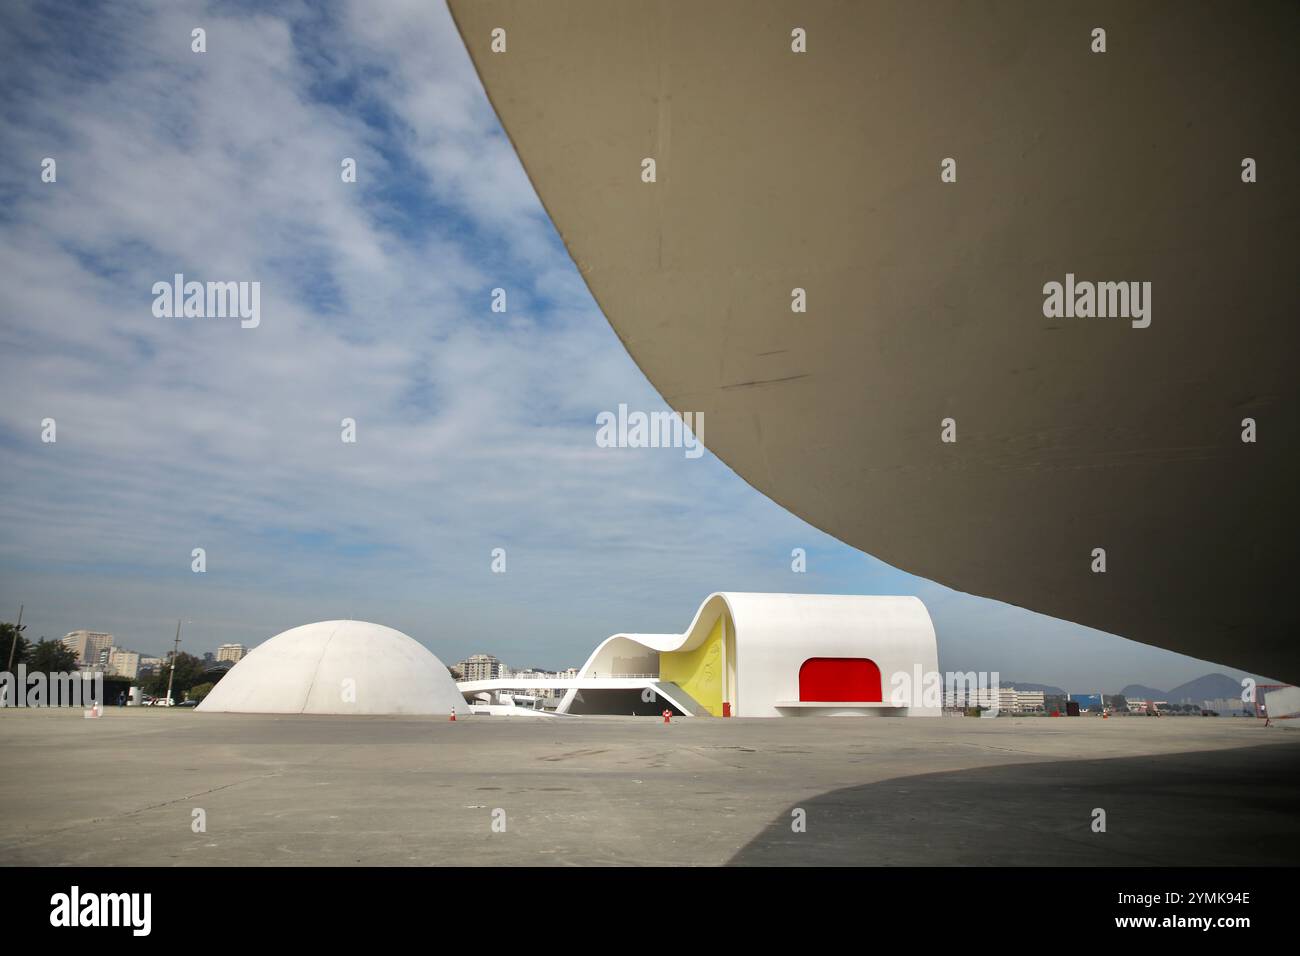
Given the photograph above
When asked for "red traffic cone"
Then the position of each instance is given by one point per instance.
(453, 714)
(667, 715)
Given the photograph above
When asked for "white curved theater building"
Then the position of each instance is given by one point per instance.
(758, 655)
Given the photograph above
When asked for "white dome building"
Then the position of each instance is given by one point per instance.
(338, 667)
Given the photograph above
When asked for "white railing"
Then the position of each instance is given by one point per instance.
(629, 676)
(516, 682)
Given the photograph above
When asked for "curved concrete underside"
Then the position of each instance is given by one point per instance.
(820, 170)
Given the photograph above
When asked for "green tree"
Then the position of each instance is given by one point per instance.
(199, 691)
(190, 671)
(8, 635)
(213, 674)
(155, 684)
(51, 657)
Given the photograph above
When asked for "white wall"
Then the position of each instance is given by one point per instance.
(776, 633)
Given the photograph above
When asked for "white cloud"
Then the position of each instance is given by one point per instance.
(476, 429)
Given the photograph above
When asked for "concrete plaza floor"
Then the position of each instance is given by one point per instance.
(303, 790)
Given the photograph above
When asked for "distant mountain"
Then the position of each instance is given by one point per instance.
(1047, 689)
(1209, 687)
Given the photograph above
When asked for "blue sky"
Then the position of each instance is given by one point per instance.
(475, 430)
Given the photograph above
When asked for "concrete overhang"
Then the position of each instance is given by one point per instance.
(821, 171)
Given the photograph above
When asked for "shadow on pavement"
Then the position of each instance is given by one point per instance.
(1206, 808)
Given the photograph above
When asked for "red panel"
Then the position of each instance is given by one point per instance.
(839, 678)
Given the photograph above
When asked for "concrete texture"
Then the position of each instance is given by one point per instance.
(421, 791)
(338, 667)
(821, 171)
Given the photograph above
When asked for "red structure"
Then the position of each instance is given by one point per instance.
(839, 678)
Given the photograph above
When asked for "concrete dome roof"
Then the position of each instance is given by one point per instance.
(338, 667)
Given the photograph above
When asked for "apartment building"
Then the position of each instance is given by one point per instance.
(87, 645)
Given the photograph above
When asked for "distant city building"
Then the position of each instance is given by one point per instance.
(1146, 706)
(532, 674)
(1227, 705)
(88, 645)
(1009, 700)
(970, 693)
(150, 665)
(1028, 701)
(123, 663)
(1088, 703)
(231, 652)
(480, 667)
(1012, 700)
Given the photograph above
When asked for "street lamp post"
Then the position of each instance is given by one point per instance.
(18, 630)
(175, 653)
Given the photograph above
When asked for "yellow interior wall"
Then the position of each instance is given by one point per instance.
(698, 672)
